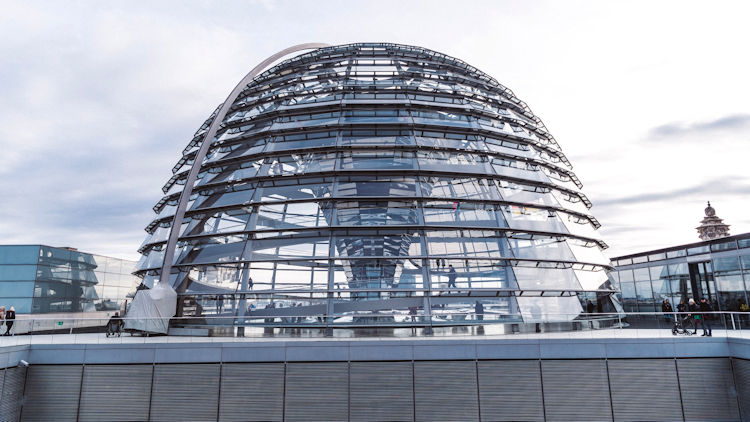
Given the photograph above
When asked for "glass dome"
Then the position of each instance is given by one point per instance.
(376, 185)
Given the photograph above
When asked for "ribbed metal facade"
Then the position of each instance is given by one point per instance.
(694, 389)
(376, 184)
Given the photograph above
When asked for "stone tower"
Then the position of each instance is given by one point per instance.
(712, 227)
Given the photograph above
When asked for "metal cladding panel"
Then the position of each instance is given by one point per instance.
(252, 392)
(185, 392)
(510, 390)
(741, 369)
(644, 390)
(317, 392)
(708, 392)
(576, 390)
(446, 391)
(52, 393)
(12, 394)
(115, 393)
(381, 391)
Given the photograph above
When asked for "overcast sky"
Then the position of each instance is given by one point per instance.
(649, 100)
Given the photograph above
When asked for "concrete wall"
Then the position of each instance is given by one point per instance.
(167, 379)
(691, 389)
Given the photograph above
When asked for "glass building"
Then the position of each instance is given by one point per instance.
(375, 184)
(718, 270)
(41, 279)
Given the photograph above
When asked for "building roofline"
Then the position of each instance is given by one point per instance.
(686, 245)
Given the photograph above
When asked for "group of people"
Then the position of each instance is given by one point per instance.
(697, 313)
(7, 318)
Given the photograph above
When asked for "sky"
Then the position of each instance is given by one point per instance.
(649, 100)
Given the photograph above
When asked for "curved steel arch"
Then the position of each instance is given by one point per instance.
(174, 233)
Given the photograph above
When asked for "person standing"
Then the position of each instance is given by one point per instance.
(10, 317)
(479, 310)
(695, 316)
(451, 276)
(706, 316)
(666, 308)
(589, 306)
(2, 317)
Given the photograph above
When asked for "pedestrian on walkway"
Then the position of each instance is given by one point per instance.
(451, 276)
(10, 317)
(706, 316)
(666, 308)
(695, 316)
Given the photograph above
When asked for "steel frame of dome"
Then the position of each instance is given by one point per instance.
(375, 184)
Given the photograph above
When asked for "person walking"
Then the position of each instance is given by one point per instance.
(2, 317)
(666, 308)
(479, 310)
(10, 317)
(706, 316)
(451, 276)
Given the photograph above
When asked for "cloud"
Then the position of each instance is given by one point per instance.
(728, 186)
(681, 131)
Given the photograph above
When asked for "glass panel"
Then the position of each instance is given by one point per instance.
(470, 188)
(724, 246)
(467, 243)
(646, 302)
(233, 195)
(19, 254)
(657, 257)
(641, 274)
(214, 249)
(727, 265)
(17, 273)
(463, 214)
(221, 222)
(470, 273)
(658, 272)
(593, 280)
(640, 259)
(281, 143)
(280, 190)
(53, 256)
(626, 275)
(396, 244)
(372, 137)
(549, 309)
(676, 254)
(10, 289)
(375, 186)
(456, 162)
(298, 164)
(449, 310)
(536, 219)
(377, 160)
(530, 278)
(697, 250)
(293, 216)
(629, 303)
(376, 213)
(289, 246)
(540, 247)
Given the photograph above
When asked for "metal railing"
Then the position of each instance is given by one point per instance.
(32, 329)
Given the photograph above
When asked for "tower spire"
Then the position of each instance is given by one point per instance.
(712, 227)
